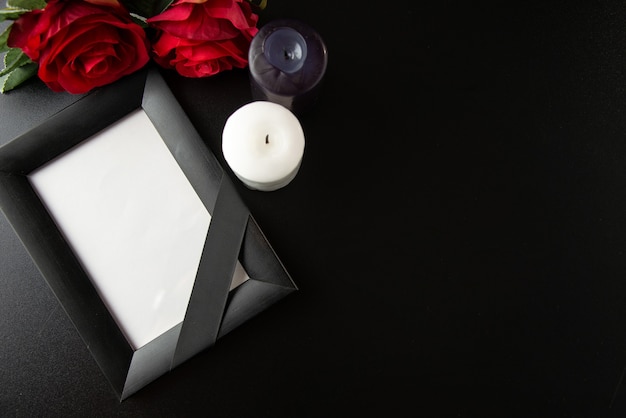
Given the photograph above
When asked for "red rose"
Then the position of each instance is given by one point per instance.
(201, 38)
(81, 44)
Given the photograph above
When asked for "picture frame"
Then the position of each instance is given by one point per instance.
(233, 239)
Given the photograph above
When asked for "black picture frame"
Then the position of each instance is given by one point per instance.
(213, 310)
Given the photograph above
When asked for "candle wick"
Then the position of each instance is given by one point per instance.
(267, 139)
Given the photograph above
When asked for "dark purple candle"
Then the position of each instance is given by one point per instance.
(287, 62)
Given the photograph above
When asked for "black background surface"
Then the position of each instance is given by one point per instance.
(457, 230)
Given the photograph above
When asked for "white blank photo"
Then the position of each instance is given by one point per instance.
(133, 220)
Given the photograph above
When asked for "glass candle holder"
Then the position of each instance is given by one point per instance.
(287, 62)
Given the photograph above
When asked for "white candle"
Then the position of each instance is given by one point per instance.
(263, 143)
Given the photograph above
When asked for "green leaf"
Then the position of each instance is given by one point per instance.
(27, 4)
(4, 37)
(16, 77)
(140, 20)
(146, 8)
(11, 13)
(16, 8)
(259, 4)
(13, 59)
